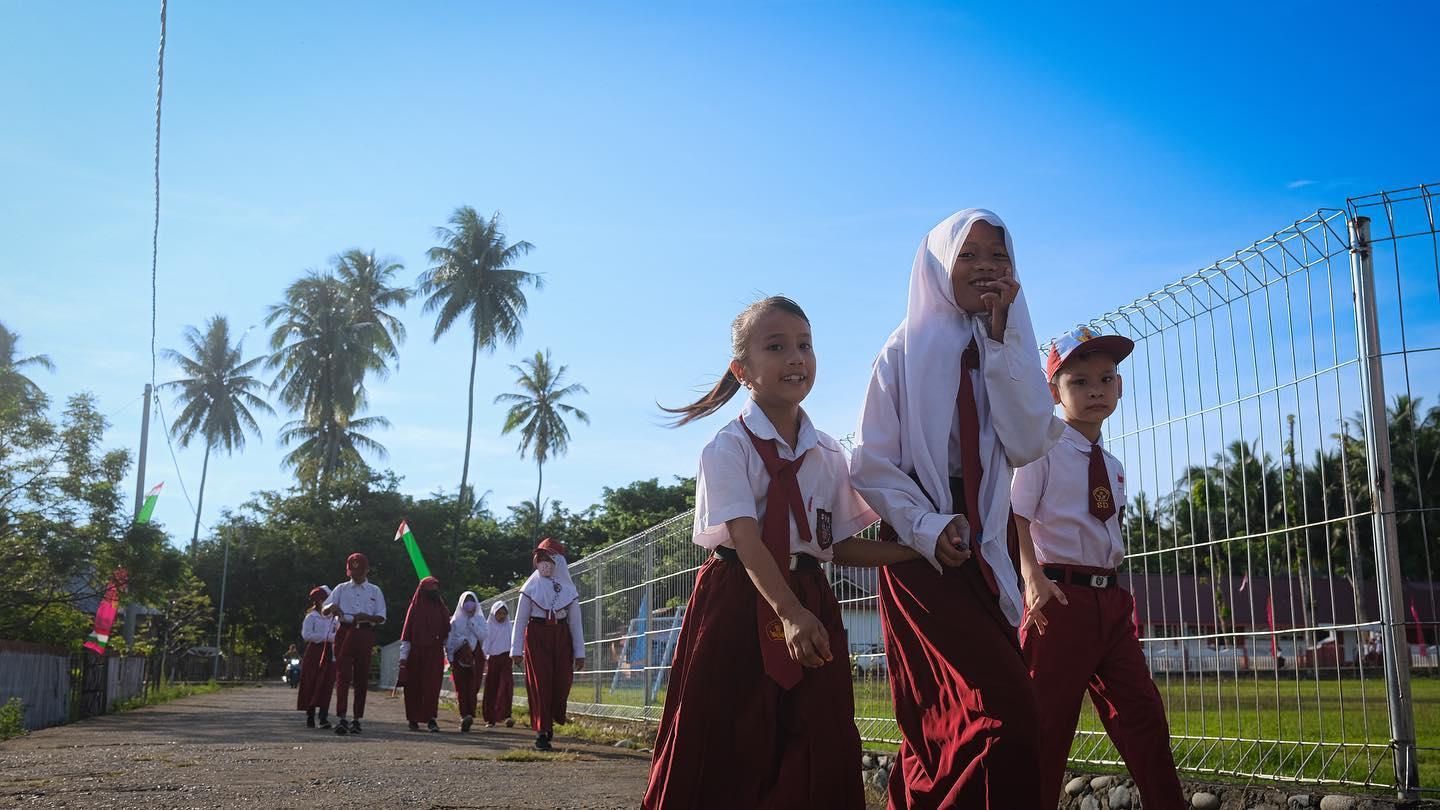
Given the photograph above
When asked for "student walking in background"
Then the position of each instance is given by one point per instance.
(499, 679)
(317, 669)
(467, 662)
(550, 635)
(422, 654)
(359, 606)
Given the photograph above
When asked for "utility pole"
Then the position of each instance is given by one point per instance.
(139, 502)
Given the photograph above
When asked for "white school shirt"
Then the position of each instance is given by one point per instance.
(353, 599)
(465, 629)
(1053, 493)
(497, 638)
(522, 621)
(881, 468)
(732, 483)
(318, 628)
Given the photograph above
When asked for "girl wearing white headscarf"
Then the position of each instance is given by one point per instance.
(499, 680)
(549, 635)
(462, 648)
(956, 401)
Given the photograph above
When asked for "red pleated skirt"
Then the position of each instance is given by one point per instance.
(317, 677)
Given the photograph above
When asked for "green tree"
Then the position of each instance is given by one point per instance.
(538, 412)
(13, 382)
(472, 274)
(216, 397)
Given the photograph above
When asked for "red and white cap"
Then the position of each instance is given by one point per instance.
(1083, 339)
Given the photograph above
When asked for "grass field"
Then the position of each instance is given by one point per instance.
(1293, 729)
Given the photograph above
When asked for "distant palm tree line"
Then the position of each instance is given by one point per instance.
(337, 329)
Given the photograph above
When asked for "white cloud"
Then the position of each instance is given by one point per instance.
(1293, 184)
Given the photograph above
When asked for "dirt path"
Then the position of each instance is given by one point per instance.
(248, 748)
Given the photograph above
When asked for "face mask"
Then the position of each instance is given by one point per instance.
(433, 596)
(470, 608)
(546, 568)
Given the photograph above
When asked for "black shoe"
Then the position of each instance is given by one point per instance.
(341, 727)
(509, 722)
(432, 725)
(414, 726)
(324, 721)
(542, 743)
(355, 726)
(310, 719)
(465, 723)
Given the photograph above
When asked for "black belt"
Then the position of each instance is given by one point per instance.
(798, 562)
(359, 625)
(543, 620)
(1069, 577)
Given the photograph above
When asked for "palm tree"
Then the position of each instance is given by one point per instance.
(366, 280)
(12, 381)
(539, 414)
(326, 339)
(328, 446)
(215, 397)
(472, 274)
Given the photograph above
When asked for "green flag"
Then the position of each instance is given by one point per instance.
(403, 533)
(148, 508)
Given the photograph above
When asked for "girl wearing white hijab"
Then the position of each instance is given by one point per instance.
(549, 635)
(499, 680)
(462, 648)
(956, 401)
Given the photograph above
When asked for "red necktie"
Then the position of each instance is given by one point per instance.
(971, 469)
(1102, 500)
(782, 499)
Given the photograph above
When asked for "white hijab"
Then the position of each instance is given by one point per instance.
(932, 339)
(553, 592)
(497, 606)
(460, 617)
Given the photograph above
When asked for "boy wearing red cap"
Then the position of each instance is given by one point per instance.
(359, 606)
(1079, 633)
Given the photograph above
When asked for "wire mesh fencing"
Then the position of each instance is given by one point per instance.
(1283, 475)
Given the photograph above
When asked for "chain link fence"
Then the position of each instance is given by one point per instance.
(1284, 471)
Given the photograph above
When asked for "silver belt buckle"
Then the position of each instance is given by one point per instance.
(1099, 580)
(794, 562)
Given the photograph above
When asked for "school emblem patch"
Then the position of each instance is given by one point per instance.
(775, 630)
(1101, 496)
(824, 528)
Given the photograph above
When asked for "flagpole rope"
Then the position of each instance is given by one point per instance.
(173, 459)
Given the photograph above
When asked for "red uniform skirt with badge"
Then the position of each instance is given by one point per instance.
(730, 737)
(969, 722)
(317, 677)
(549, 671)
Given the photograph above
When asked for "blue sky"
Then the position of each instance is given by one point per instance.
(669, 162)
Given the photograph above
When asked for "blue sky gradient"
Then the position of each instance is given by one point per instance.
(669, 162)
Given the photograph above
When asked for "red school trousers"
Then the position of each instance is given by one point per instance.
(1091, 645)
(352, 665)
(467, 685)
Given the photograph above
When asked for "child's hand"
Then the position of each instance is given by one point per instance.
(806, 638)
(579, 664)
(1038, 592)
(997, 302)
(952, 547)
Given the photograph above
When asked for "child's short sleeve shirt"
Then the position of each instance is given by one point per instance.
(1053, 493)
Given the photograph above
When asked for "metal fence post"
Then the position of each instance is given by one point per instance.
(647, 600)
(1382, 519)
(599, 627)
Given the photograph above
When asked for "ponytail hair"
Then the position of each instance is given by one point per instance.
(729, 385)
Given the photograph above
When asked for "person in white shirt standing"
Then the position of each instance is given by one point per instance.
(549, 634)
(317, 670)
(499, 679)
(467, 635)
(360, 606)
(956, 400)
(1079, 632)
